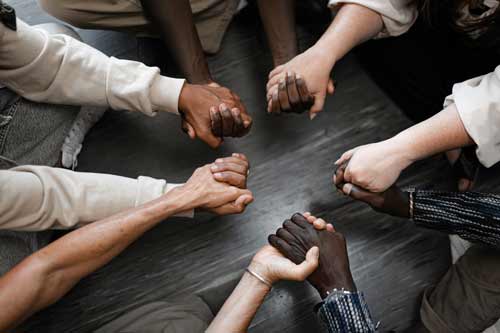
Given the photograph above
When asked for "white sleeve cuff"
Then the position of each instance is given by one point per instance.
(151, 189)
(165, 93)
(397, 15)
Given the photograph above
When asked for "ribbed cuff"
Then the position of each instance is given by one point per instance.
(165, 93)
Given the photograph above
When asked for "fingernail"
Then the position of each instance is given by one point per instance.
(223, 106)
(234, 155)
(334, 178)
(219, 160)
(312, 116)
(246, 123)
(298, 76)
(347, 188)
(214, 168)
(217, 175)
(315, 251)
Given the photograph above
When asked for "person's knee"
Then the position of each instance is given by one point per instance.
(62, 10)
(58, 28)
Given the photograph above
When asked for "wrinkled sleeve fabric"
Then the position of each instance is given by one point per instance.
(398, 15)
(478, 103)
(62, 70)
(34, 198)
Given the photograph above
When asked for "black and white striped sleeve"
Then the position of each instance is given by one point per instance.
(471, 215)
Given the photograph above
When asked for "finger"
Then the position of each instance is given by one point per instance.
(283, 96)
(319, 224)
(229, 166)
(227, 120)
(277, 70)
(317, 107)
(300, 220)
(241, 156)
(293, 94)
(238, 128)
(357, 193)
(283, 247)
(231, 178)
(330, 228)
(276, 103)
(308, 266)
(330, 87)
(345, 157)
(188, 129)
(216, 121)
(305, 96)
(285, 235)
(235, 207)
(233, 159)
(293, 228)
(339, 175)
(274, 81)
(271, 91)
(269, 105)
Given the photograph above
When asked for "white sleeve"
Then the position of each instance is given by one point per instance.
(478, 103)
(62, 70)
(36, 198)
(398, 15)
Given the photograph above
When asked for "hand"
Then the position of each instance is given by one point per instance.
(314, 68)
(269, 263)
(195, 103)
(209, 194)
(292, 96)
(298, 235)
(233, 170)
(376, 166)
(392, 201)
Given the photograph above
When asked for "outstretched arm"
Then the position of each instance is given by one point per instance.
(45, 276)
(174, 22)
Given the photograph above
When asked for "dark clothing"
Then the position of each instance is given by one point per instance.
(473, 216)
(418, 69)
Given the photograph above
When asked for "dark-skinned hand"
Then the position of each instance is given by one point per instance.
(298, 235)
(195, 103)
(392, 201)
(292, 96)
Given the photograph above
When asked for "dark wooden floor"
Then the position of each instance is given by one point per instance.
(292, 157)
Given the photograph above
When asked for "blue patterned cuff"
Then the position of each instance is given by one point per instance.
(345, 311)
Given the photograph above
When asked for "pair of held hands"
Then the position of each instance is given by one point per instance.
(306, 247)
(220, 187)
(227, 116)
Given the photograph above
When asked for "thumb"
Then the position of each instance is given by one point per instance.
(345, 157)
(331, 87)
(317, 107)
(308, 266)
(186, 127)
(244, 200)
(357, 193)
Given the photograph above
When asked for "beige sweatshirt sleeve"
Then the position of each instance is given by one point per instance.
(398, 15)
(36, 198)
(62, 70)
(478, 103)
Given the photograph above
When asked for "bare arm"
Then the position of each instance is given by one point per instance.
(240, 308)
(44, 277)
(352, 25)
(174, 22)
(278, 17)
(377, 166)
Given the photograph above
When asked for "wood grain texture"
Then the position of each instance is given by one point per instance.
(292, 159)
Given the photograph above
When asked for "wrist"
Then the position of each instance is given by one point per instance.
(185, 97)
(402, 149)
(262, 271)
(324, 54)
(342, 284)
(184, 198)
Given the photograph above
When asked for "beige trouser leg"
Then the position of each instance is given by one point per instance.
(212, 17)
(123, 15)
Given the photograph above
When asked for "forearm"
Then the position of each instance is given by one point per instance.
(442, 132)
(473, 216)
(47, 275)
(174, 22)
(239, 309)
(352, 25)
(278, 18)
